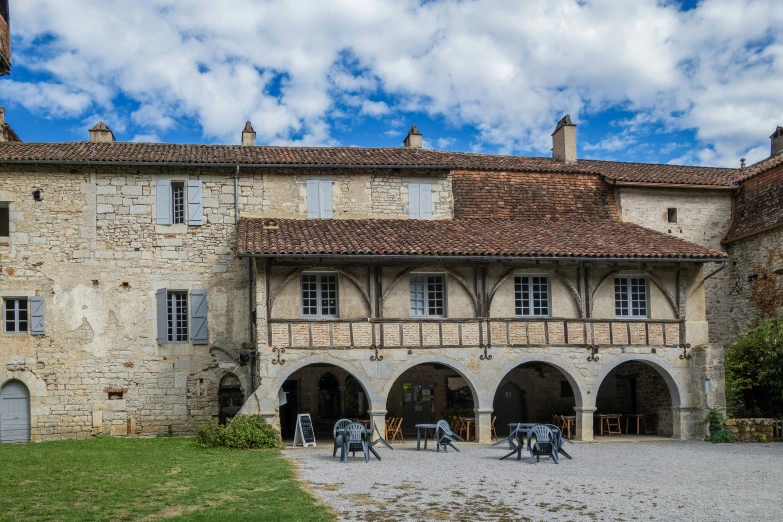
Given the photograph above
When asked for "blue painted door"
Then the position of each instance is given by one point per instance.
(14, 413)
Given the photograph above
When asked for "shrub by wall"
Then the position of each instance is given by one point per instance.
(243, 432)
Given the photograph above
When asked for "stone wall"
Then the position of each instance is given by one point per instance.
(752, 430)
(756, 262)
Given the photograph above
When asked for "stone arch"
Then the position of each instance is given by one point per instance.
(296, 273)
(35, 387)
(479, 394)
(571, 374)
(676, 388)
(357, 374)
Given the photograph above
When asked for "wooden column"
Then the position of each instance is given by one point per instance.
(682, 294)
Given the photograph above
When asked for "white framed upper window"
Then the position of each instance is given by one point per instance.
(319, 198)
(531, 295)
(631, 297)
(428, 295)
(182, 316)
(319, 295)
(420, 200)
(179, 202)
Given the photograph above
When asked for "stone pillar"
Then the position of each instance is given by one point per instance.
(342, 387)
(378, 418)
(682, 423)
(584, 422)
(272, 418)
(483, 425)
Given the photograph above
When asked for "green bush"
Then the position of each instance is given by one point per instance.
(719, 432)
(243, 432)
(754, 371)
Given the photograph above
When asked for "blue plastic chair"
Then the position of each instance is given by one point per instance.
(337, 433)
(444, 437)
(545, 444)
(355, 439)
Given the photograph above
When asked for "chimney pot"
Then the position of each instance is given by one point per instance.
(776, 142)
(564, 141)
(413, 140)
(248, 135)
(101, 133)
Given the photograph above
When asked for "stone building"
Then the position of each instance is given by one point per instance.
(5, 38)
(156, 286)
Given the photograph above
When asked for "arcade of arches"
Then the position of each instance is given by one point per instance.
(534, 391)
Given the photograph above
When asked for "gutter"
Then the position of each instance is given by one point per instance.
(491, 258)
(222, 165)
(670, 185)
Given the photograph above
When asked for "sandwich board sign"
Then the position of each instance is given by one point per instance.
(305, 435)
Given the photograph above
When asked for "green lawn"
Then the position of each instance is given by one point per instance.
(148, 479)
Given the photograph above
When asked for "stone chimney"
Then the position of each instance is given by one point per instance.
(2, 115)
(776, 142)
(413, 139)
(248, 136)
(101, 133)
(564, 141)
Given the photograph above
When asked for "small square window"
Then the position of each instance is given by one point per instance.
(5, 219)
(671, 215)
(15, 315)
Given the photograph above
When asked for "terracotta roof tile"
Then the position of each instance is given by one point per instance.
(462, 237)
(331, 156)
(759, 204)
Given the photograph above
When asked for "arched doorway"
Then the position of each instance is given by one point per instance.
(325, 391)
(14, 412)
(635, 389)
(230, 397)
(534, 392)
(428, 392)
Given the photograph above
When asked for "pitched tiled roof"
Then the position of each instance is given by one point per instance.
(354, 156)
(759, 204)
(757, 168)
(463, 237)
(523, 195)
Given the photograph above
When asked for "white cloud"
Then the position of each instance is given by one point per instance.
(510, 69)
(146, 138)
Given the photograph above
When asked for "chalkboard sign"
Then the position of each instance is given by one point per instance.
(305, 434)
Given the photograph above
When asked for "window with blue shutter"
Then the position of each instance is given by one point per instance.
(198, 316)
(319, 199)
(161, 299)
(420, 200)
(195, 206)
(163, 200)
(37, 315)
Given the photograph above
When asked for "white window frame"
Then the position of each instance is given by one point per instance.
(174, 320)
(426, 299)
(176, 185)
(530, 295)
(626, 283)
(319, 295)
(16, 309)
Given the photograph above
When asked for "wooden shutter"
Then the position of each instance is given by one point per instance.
(37, 315)
(313, 202)
(163, 317)
(425, 200)
(198, 317)
(413, 201)
(163, 201)
(325, 193)
(195, 207)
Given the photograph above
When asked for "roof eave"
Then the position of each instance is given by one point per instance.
(409, 257)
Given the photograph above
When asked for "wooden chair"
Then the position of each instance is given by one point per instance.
(648, 422)
(394, 430)
(612, 421)
(459, 426)
(493, 433)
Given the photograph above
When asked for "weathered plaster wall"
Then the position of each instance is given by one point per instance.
(91, 249)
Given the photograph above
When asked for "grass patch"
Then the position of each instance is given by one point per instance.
(149, 479)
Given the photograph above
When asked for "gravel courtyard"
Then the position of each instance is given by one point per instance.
(667, 480)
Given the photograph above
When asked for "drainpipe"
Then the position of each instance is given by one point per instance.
(723, 266)
(254, 347)
(236, 198)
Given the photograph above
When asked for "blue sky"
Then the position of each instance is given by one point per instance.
(694, 82)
